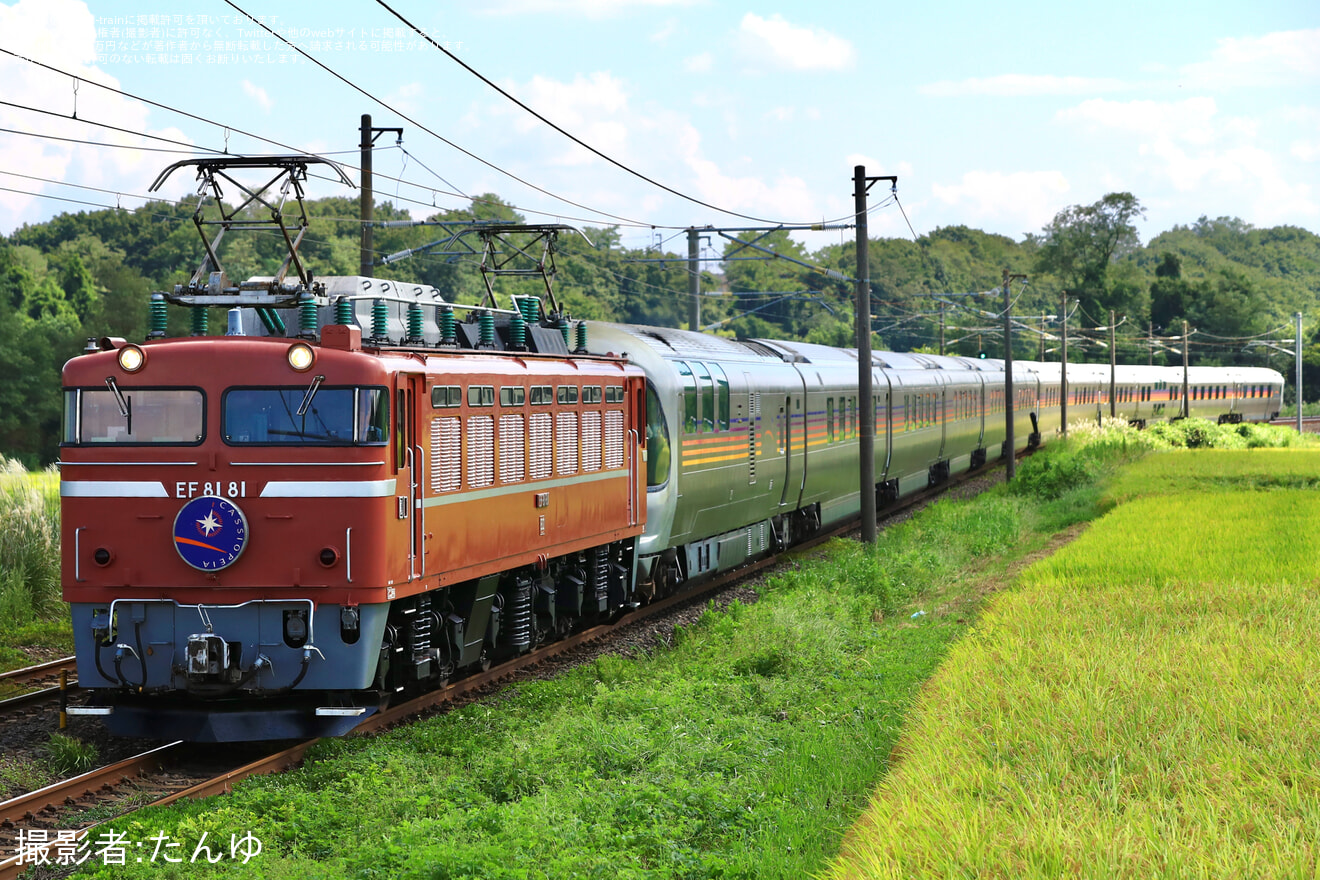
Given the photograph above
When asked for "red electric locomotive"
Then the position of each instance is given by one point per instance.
(270, 537)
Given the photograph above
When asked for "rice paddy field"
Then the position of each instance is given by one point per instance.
(1142, 704)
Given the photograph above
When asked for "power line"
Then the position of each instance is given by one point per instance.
(424, 127)
(574, 138)
(280, 144)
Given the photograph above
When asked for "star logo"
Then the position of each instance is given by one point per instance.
(208, 524)
(210, 532)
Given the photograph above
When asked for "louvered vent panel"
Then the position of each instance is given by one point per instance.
(481, 451)
(566, 442)
(542, 439)
(513, 458)
(614, 439)
(591, 440)
(446, 455)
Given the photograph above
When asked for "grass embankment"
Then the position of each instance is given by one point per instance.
(1143, 704)
(744, 749)
(32, 610)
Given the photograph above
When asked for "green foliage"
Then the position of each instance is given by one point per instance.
(90, 275)
(67, 756)
(29, 548)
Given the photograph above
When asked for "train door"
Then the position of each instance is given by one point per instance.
(795, 444)
(882, 416)
(412, 468)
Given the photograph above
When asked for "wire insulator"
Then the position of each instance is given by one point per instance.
(444, 316)
(380, 320)
(344, 312)
(157, 316)
(416, 334)
(517, 331)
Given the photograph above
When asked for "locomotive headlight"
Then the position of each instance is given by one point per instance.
(301, 357)
(132, 358)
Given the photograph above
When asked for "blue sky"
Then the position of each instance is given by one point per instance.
(995, 116)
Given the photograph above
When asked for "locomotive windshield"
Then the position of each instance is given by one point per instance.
(170, 416)
(332, 416)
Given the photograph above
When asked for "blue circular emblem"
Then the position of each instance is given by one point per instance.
(210, 532)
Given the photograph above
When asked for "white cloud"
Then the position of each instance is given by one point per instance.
(701, 63)
(1020, 85)
(787, 198)
(62, 33)
(1283, 58)
(1189, 120)
(789, 46)
(258, 94)
(1189, 146)
(408, 97)
(1029, 199)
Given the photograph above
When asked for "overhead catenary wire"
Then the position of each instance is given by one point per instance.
(574, 138)
(489, 164)
(276, 143)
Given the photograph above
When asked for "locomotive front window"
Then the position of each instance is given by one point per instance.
(172, 416)
(329, 416)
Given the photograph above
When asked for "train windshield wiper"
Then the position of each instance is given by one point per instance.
(125, 404)
(311, 392)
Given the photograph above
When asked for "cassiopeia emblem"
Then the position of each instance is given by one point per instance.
(210, 532)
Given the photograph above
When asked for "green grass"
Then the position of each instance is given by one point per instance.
(1140, 706)
(747, 748)
(32, 610)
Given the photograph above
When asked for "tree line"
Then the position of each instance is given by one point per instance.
(90, 274)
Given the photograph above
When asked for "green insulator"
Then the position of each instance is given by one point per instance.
(380, 319)
(200, 321)
(487, 324)
(444, 316)
(157, 316)
(344, 311)
(582, 336)
(517, 331)
(415, 325)
(307, 316)
(564, 328)
(531, 309)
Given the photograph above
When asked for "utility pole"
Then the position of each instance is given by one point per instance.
(1011, 466)
(694, 280)
(866, 439)
(1063, 377)
(1297, 351)
(941, 328)
(367, 203)
(1150, 343)
(1113, 368)
(1187, 404)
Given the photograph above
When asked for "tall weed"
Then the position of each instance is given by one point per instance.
(29, 545)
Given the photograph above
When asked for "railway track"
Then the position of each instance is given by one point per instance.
(44, 680)
(1310, 424)
(171, 772)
